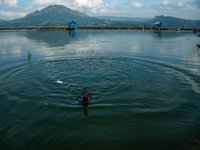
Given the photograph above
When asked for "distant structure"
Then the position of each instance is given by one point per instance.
(72, 24)
(158, 24)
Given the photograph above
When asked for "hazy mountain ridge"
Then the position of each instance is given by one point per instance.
(114, 18)
(169, 21)
(3, 20)
(59, 15)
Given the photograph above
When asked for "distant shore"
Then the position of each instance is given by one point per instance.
(98, 28)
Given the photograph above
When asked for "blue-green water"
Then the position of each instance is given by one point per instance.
(144, 90)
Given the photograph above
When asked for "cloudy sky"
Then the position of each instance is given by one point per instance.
(187, 9)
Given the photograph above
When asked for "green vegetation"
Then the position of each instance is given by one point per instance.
(59, 15)
(56, 15)
(114, 18)
(169, 21)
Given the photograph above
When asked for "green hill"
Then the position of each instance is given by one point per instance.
(114, 18)
(3, 20)
(51, 16)
(59, 15)
(169, 21)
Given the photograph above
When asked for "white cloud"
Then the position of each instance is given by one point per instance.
(11, 3)
(75, 3)
(111, 6)
(168, 4)
(86, 6)
(137, 4)
(88, 3)
(104, 11)
(12, 14)
(96, 10)
(190, 10)
(0, 2)
(43, 3)
(133, 4)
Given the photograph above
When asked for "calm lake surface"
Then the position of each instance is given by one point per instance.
(144, 90)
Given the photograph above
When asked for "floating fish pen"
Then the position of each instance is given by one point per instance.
(112, 28)
(72, 27)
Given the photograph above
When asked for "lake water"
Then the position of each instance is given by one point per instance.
(144, 89)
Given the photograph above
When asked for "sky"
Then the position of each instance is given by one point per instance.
(186, 9)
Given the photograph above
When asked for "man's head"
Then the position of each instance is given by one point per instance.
(86, 95)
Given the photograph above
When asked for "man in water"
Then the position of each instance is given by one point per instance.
(85, 98)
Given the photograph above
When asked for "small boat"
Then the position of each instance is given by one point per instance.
(85, 95)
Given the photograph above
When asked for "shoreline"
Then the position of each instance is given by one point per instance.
(98, 28)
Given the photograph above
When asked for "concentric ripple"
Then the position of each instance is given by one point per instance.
(116, 81)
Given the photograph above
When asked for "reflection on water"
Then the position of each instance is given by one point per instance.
(198, 48)
(29, 55)
(85, 110)
(145, 90)
(72, 33)
(54, 38)
(157, 32)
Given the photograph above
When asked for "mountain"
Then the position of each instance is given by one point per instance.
(51, 16)
(169, 21)
(59, 15)
(2, 20)
(113, 18)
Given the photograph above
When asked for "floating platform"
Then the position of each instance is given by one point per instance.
(135, 28)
